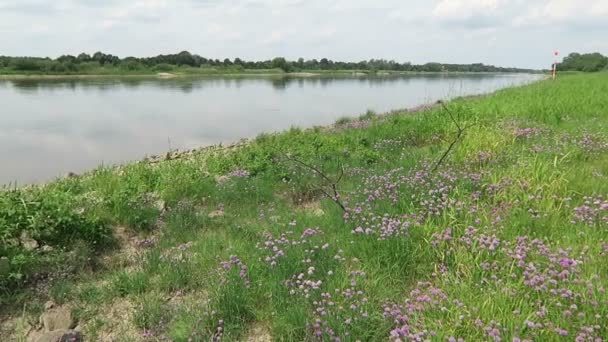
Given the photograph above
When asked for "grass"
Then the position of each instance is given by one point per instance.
(508, 239)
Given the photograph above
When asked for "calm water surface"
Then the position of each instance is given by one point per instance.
(51, 127)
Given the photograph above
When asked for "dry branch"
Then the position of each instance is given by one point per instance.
(458, 136)
(330, 183)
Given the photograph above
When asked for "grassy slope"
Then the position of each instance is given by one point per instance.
(497, 242)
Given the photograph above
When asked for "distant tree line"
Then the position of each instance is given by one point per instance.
(588, 62)
(84, 62)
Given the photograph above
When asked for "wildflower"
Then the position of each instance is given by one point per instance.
(239, 173)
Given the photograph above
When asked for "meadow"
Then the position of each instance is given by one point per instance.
(481, 219)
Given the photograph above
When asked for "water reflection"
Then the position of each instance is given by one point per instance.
(187, 85)
(52, 126)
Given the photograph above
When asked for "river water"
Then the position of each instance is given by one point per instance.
(51, 127)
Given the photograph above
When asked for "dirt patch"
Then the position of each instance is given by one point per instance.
(311, 208)
(117, 323)
(179, 299)
(259, 332)
(15, 328)
(130, 249)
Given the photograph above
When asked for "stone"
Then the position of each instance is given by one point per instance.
(57, 318)
(222, 179)
(60, 336)
(216, 213)
(47, 249)
(160, 205)
(27, 242)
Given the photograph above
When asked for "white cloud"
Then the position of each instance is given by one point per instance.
(519, 13)
(503, 32)
(564, 12)
(458, 9)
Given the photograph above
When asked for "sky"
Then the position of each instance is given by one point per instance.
(520, 33)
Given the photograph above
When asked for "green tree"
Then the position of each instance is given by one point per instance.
(83, 57)
(281, 63)
(589, 62)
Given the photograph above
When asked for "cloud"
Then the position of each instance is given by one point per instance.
(519, 13)
(28, 7)
(139, 10)
(458, 9)
(458, 31)
(564, 12)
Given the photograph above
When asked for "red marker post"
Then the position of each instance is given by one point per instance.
(556, 53)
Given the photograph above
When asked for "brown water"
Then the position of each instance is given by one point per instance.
(51, 127)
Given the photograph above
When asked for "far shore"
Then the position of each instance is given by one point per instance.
(303, 74)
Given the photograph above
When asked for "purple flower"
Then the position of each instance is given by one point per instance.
(239, 173)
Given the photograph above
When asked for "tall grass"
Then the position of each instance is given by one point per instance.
(507, 240)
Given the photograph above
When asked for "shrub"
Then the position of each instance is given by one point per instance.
(343, 120)
(37, 218)
(27, 64)
(369, 115)
(50, 217)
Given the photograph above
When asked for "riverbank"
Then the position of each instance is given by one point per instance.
(244, 73)
(480, 218)
(192, 72)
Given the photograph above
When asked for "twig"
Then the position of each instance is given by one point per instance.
(335, 197)
(459, 134)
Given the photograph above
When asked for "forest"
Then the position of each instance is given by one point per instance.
(589, 62)
(86, 63)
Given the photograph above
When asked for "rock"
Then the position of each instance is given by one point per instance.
(60, 336)
(216, 213)
(47, 249)
(27, 242)
(222, 179)
(57, 318)
(160, 205)
(5, 267)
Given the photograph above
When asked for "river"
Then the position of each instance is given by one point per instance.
(51, 127)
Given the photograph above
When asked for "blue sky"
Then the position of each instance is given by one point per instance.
(519, 33)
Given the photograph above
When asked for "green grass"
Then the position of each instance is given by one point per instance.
(488, 244)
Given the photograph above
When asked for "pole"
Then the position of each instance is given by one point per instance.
(556, 53)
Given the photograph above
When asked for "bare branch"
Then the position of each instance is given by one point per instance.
(459, 134)
(335, 197)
